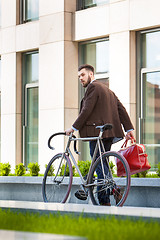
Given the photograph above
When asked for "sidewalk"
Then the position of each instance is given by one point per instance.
(86, 209)
(16, 235)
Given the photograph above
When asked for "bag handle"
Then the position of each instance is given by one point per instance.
(124, 145)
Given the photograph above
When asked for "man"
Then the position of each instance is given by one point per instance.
(99, 106)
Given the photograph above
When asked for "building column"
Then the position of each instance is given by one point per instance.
(8, 85)
(58, 84)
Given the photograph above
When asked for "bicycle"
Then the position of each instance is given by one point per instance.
(117, 187)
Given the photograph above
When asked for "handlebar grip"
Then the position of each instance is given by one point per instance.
(56, 134)
(75, 147)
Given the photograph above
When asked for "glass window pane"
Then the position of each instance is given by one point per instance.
(151, 49)
(31, 10)
(30, 107)
(96, 54)
(32, 67)
(151, 116)
(92, 3)
(31, 135)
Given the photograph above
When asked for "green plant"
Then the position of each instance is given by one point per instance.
(34, 169)
(66, 169)
(51, 170)
(111, 164)
(84, 167)
(5, 169)
(144, 174)
(158, 170)
(141, 174)
(91, 228)
(20, 169)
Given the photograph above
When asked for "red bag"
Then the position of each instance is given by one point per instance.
(135, 156)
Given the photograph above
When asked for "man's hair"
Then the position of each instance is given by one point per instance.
(87, 67)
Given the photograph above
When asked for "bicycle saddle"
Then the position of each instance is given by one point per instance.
(106, 126)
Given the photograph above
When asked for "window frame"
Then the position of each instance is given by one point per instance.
(23, 13)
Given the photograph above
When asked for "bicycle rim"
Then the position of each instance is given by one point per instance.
(57, 179)
(113, 187)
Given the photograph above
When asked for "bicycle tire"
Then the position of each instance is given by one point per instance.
(56, 187)
(117, 188)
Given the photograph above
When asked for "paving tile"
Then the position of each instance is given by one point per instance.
(16, 235)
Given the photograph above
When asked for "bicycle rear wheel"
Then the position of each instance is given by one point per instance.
(57, 181)
(111, 185)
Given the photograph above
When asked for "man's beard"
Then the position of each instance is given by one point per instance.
(88, 81)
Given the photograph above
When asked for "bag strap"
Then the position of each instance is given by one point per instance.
(124, 145)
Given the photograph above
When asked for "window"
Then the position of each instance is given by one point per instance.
(95, 53)
(29, 10)
(149, 92)
(30, 107)
(83, 4)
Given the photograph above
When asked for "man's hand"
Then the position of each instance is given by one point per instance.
(129, 135)
(69, 131)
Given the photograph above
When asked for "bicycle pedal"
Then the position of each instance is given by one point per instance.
(81, 194)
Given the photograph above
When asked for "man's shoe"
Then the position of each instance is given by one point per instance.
(81, 194)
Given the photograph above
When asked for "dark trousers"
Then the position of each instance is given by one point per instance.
(103, 196)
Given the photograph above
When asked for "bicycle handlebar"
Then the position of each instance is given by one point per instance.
(61, 133)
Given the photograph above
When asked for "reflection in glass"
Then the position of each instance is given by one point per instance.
(32, 67)
(92, 3)
(96, 54)
(151, 115)
(31, 10)
(31, 135)
(30, 107)
(151, 49)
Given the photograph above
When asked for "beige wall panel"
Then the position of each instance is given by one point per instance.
(69, 5)
(52, 28)
(18, 138)
(8, 85)
(8, 40)
(8, 139)
(50, 122)
(70, 117)
(51, 76)
(114, 1)
(70, 75)
(119, 65)
(27, 36)
(68, 26)
(47, 7)
(144, 13)
(0, 42)
(8, 11)
(92, 23)
(119, 16)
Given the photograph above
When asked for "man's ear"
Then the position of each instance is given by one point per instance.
(90, 74)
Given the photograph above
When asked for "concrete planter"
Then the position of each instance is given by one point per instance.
(144, 192)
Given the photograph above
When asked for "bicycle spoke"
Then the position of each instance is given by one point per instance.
(57, 188)
(114, 189)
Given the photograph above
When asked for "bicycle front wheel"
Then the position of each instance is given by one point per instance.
(112, 186)
(57, 181)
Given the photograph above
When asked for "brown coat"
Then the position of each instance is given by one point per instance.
(99, 106)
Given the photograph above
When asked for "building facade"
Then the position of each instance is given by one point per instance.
(42, 42)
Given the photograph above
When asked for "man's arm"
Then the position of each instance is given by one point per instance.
(88, 107)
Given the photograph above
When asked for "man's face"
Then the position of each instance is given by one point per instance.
(85, 77)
